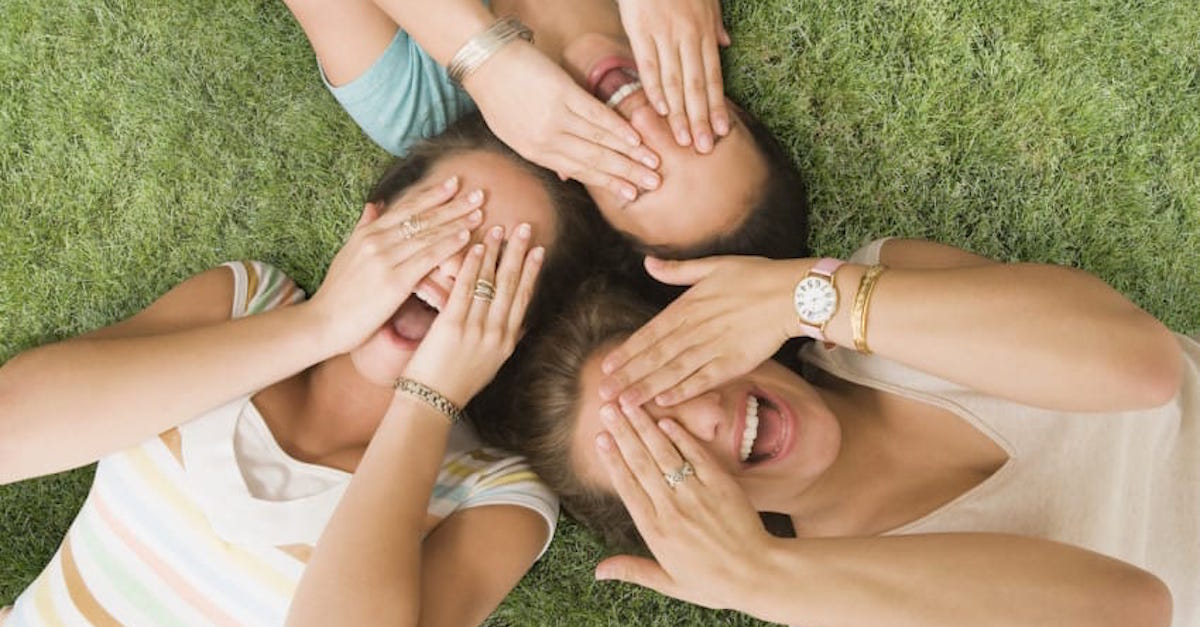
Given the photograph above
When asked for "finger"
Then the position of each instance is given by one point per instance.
(641, 340)
(508, 275)
(642, 571)
(461, 296)
(686, 272)
(418, 200)
(662, 451)
(672, 85)
(637, 502)
(715, 84)
(459, 206)
(707, 470)
(662, 378)
(487, 272)
(637, 458)
(709, 376)
(398, 236)
(533, 265)
(634, 165)
(592, 164)
(695, 95)
(723, 37)
(369, 213)
(646, 56)
(589, 108)
(420, 256)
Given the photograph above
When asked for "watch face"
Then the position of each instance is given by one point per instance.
(815, 300)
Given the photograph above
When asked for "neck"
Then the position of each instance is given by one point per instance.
(851, 497)
(341, 409)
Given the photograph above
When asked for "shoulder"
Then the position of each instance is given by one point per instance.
(259, 286)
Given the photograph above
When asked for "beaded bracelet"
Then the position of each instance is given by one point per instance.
(430, 396)
(481, 47)
(862, 305)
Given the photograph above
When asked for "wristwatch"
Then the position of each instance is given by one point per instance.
(816, 298)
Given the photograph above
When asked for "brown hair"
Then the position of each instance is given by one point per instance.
(546, 401)
(579, 231)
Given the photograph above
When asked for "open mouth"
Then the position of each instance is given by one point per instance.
(416, 314)
(614, 79)
(767, 430)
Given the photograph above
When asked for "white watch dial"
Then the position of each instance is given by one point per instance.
(816, 300)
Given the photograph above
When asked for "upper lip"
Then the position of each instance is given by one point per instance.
(604, 66)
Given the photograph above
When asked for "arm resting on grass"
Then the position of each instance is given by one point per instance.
(67, 404)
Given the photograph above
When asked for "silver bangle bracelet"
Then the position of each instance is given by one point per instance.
(481, 47)
(430, 396)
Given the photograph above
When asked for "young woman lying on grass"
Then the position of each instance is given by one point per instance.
(973, 443)
(264, 457)
(735, 192)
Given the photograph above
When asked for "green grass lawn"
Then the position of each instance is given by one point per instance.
(143, 142)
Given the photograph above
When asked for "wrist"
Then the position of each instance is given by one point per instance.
(319, 327)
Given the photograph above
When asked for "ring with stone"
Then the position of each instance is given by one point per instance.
(410, 228)
(679, 476)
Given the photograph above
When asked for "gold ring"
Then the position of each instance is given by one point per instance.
(410, 228)
(679, 476)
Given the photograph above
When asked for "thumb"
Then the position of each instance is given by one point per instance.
(723, 37)
(369, 214)
(637, 570)
(681, 272)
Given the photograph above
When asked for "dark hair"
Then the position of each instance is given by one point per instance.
(777, 224)
(568, 262)
(546, 401)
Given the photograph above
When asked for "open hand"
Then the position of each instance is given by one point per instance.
(737, 313)
(675, 46)
(534, 107)
(476, 332)
(706, 538)
(385, 257)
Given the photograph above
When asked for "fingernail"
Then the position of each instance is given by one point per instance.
(539, 254)
(704, 142)
(464, 235)
(608, 390)
(603, 442)
(524, 230)
(477, 250)
(650, 161)
(632, 139)
(682, 138)
(660, 107)
(650, 181)
(497, 232)
(721, 126)
(629, 193)
(451, 182)
(666, 425)
(608, 414)
(475, 197)
(475, 217)
(662, 400)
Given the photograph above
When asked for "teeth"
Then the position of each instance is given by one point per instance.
(751, 431)
(425, 297)
(622, 93)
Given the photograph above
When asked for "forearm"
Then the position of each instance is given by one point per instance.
(366, 568)
(67, 404)
(1044, 335)
(440, 28)
(952, 579)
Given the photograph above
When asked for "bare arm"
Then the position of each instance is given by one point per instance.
(1039, 334)
(67, 404)
(710, 548)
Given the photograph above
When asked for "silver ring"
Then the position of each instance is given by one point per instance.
(679, 476)
(410, 228)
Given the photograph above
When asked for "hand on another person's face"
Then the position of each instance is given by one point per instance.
(737, 313)
(675, 46)
(534, 107)
(386, 256)
(708, 542)
(479, 328)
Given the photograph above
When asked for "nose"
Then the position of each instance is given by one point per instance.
(703, 416)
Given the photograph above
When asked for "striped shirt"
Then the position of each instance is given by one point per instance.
(211, 523)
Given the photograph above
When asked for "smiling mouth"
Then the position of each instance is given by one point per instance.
(614, 79)
(415, 315)
(766, 431)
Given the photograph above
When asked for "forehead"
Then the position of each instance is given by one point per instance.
(513, 194)
(702, 196)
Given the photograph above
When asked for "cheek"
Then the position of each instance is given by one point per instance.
(378, 360)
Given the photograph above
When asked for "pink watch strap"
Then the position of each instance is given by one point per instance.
(826, 266)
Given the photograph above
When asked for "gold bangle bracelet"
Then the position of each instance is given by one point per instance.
(430, 396)
(862, 306)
